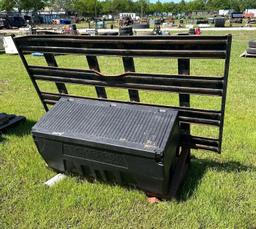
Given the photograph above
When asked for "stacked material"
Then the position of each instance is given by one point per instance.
(125, 30)
(219, 22)
(140, 26)
(9, 45)
(251, 50)
(7, 121)
(1, 44)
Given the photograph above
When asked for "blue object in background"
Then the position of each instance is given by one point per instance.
(47, 19)
(37, 54)
(65, 21)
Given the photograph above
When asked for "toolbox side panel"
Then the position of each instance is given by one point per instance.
(170, 154)
(51, 151)
(108, 166)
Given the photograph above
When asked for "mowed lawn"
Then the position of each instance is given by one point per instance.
(219, 190)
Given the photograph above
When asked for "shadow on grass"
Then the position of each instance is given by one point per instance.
(20, 130)
(199, 167)
(196, 171)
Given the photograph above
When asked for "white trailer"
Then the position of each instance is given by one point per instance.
(131, 15)
(250, 12)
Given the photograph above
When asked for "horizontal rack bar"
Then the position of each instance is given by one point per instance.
(120, 38)
(196, 85)
(196, 142)
(211, 54)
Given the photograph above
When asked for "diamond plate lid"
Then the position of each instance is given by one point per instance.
(115, 126)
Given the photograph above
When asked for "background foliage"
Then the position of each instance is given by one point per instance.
(88, 7)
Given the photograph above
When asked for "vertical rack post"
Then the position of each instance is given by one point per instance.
(184, 99)
(129, 67)
(51, 61)
(94, 65)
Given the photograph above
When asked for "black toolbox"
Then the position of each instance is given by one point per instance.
(128, 144)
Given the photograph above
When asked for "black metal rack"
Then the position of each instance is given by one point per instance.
(182, 48)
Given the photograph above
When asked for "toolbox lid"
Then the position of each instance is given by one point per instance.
(127, 128)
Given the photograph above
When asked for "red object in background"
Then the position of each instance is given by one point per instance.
(153, 200)
(198, 31)
(249, 15)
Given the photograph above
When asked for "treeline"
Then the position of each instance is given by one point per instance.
(145, 7)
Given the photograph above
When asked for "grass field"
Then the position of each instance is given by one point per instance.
(219, 191)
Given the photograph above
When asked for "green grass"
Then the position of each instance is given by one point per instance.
(219, 190)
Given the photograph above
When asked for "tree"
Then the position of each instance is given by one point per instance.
(87, 7)
(67, 5)
(122, 5)
(22, 4)
(31, 4)
(94, 7)
(217, 4)
(156, 8)
(106, 7)
(170, 7)
(159, 7)
(143, 6)
(182, 6)
(7, 4)
(195, 5)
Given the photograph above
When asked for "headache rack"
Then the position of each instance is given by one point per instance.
(182, 48)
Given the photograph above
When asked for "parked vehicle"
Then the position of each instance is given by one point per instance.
(252, 21)
(236, 17)
(9, 21)
(2, 23)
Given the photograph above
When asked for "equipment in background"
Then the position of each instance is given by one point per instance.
(157, 27)
(197, 31)
(9, 21)
(125, 26)
(219, 22)
(126, 31)
(251, 50)
(236, 17)
(100, 24)
(70, 29)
